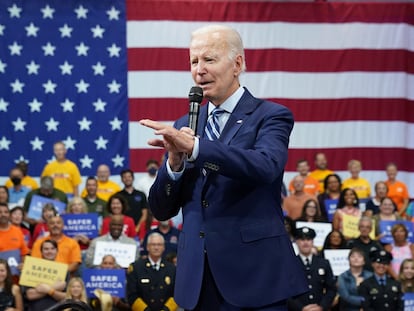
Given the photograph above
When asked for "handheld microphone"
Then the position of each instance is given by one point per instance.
(195, 97)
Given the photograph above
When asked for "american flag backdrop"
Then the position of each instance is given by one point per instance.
(344, 69)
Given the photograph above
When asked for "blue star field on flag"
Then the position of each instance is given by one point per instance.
(63, 77)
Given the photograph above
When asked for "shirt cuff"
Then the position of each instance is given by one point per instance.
(196, 150)
(174, 175)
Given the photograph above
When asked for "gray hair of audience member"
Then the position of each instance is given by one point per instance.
(233, 39)
(153, 235)
(365, 218)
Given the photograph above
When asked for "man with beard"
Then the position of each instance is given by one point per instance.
(68, 249)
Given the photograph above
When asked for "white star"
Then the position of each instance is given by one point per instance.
(2, 67)
(86, 161)
(19, 125)
(69, 143)
(118, 161)
(99, 105)
(4, 143)
(49, 87)
(31, 30)
(35, 105)
(17, 86)
(81, 12)
(37, 144)
(100, 143)
(97, 31)
(52, 125)
(47, 12)
(114, 87)
(66, 68)
(15, 49)
(14, 11)
(3, 105)
(21, 159)
(82, 86)
(65, 31)
(98, 69)
(49, 49)
(2, 27)
(114, 50)
(84, 124)
(82, 49)
(116, 124)
(113, 13)
(32, 68)
(67, 105)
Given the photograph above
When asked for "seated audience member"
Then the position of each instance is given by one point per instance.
(332, 186)
(397, 190)
(11, 237)
(16, 218)
(355, 182)
(117, 205)
(372, 206)
(406, 276)
(364, 242)
(78, 206)
(10, 295)
(76, 290)
(348, 204)
(68, 249)
(4, 195)
(114, 235)
(387, 212)
(321, 170)
(400, 249)
(293, 203)
(41, 230)
(145, 182)
(157, 292)
(311, 185)
(322, 287)
(44, 296)
(334, 240)
(93, 202)
(17, 192)
(46, 190)
(106, 187)
(27, 181)
(170, 235)
(137, 202)
(118, 304)
(311, 212)
(380, 292)
(349, 281)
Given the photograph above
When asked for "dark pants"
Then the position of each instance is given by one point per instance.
(211, 299)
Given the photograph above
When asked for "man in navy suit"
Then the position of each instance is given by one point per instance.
(233, 251)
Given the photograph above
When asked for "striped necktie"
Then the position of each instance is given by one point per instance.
(212, 128)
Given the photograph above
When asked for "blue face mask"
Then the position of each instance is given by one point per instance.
(152, 171)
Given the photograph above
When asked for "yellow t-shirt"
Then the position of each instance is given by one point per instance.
(65, 175)
(320, 176)
(105, 190)
(27, 181)
(360, 185)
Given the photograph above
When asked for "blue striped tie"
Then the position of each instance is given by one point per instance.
(212, 128)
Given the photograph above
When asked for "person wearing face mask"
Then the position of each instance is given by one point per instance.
(144, 183)
(27, 180)
(17, 192)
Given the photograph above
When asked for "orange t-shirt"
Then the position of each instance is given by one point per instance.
(311, 186)
(68, 250)
(12, 239)
(397, 191)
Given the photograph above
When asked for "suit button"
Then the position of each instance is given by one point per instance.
(202, 234)
(204, 203)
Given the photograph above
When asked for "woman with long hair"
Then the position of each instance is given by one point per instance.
(406, 276)
(348, 204)
(10, 294)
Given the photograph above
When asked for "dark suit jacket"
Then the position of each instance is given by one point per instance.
(230, 198)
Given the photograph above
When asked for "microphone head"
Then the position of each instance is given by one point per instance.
(196, 94)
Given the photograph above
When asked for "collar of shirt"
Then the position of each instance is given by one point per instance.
(304, 258)
(158, 263)
(230, 103)
(379, 278)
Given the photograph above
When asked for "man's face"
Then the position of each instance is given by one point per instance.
(305, 246)
(380, 268)
(320, 161)
(127, 179)
(211, 67)
(365, 228)
(303, 168)
(116, 227)
(4, 215)
(60, 151)
(91, 187)
(103, 173)
(155, 247)
(55, 225)
(49, 251)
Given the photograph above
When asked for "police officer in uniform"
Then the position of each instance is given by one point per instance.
(380, 291)
(150, 282)
(321, 281)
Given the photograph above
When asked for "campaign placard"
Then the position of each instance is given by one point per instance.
(38, 270)
(110, 280)
(386, 226)
(124, 253)
(85, 224)
(408, 299)
(330, 207)
(338, 259)
(322, 229)
(13, 259)
(37, 203)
